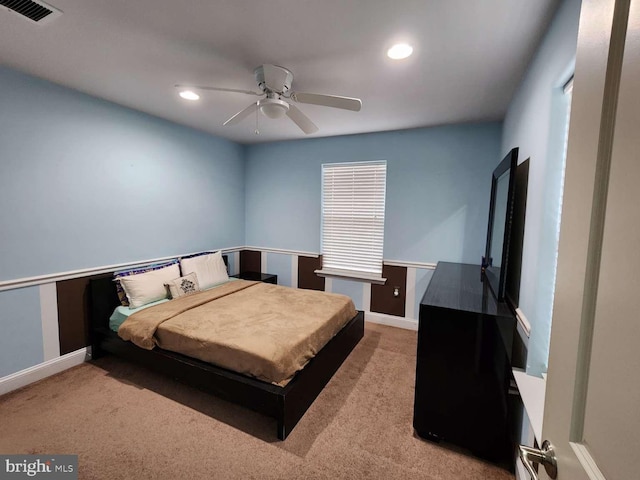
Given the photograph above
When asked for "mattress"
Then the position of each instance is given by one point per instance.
(262, 330)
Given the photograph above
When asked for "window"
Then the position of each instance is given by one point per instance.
(549, 229)
(353, 197)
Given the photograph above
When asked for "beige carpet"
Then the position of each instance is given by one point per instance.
(125, 422)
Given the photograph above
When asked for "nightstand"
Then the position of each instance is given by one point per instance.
(258, 277)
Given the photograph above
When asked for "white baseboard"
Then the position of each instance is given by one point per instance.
(43, 370)
(391, 320)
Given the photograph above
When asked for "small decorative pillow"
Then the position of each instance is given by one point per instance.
(210, 269)
(182, 286)
(148, 287)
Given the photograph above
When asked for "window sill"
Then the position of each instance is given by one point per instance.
(351, 275)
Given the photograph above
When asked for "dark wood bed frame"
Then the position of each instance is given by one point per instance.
(286, 404)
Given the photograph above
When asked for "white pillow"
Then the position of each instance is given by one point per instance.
(210, 269)
(182, 286)
(148, 287)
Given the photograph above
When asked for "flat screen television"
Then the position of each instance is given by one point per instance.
(496, 257)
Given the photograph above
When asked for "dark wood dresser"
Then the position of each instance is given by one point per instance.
(463, 366)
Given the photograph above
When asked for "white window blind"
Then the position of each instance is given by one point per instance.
(353, 197)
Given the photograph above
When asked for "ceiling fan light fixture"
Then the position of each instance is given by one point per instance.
(400, 51)
(273, 108)
(189, 95)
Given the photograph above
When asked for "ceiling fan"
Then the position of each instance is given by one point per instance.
(275, 85)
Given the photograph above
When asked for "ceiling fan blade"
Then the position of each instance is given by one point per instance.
(242, 114)
(218, 89)
(274, 77)
(301, 120)
(346, 103)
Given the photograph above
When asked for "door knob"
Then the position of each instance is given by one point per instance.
(545, 456)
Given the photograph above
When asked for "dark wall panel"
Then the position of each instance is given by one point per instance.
(306, 278)
(73, 313)
(382, 299)
(250, 261)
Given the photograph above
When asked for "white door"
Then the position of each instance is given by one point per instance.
(592, 407)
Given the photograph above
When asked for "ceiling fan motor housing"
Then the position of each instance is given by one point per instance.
(284, 76)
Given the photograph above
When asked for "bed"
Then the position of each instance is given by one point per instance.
(286, 400)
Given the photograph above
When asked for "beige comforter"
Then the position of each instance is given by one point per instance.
(258, 329)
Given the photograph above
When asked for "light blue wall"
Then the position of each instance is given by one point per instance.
(352, 289)
(21, 344)
(438, 187)
(279, 264)
(86, 183)
(535, 122)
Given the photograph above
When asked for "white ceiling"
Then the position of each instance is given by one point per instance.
(469, 57)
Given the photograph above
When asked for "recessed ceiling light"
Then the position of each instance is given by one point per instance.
(189, 95)
(400, 51)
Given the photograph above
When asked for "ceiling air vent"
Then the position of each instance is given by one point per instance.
(35, 11)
